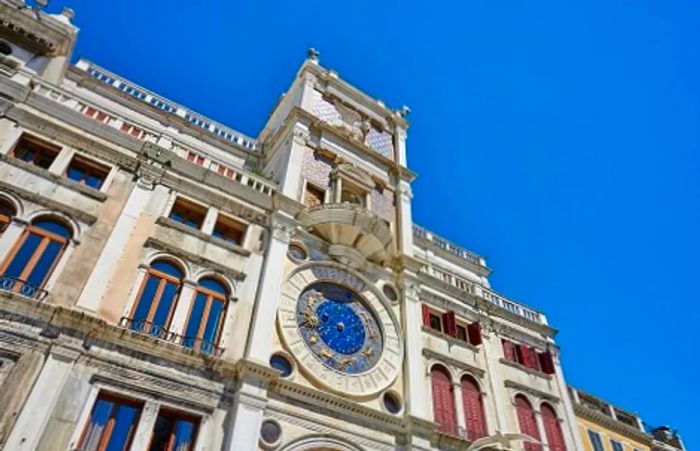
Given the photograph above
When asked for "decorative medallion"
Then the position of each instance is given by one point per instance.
(339, 330)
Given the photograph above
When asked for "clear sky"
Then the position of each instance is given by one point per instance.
(560, 139)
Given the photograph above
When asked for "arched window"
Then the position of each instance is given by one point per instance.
(34, 256)
(206, 316)
(7, 212)
(527, 422)
(552, 428)
(157, 299)
(473, 408)
(443, 400)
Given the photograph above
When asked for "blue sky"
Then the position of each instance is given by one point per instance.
(559, 139)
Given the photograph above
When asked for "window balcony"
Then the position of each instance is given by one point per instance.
(159, 332)
(22, 287)
(354, 232)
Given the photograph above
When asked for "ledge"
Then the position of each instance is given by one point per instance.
(58, 179)
(233, 247)
(452, 340)
(527, 369)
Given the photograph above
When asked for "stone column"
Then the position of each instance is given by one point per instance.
(269, 289)
(144, 429)
(541, 430)
(459, 408)
(98, 282)
(40, 403)
(491, 352)
(182, 309)
(247, 415)
(210, 220)
(405, 219)
(416, 390)
(291, 182)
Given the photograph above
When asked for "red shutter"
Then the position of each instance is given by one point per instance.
(508, 350)
(533, 360)
(474, 333)
(473, 409)
(449, 322)
(527, 422)
(426, 315)
(547, 362)
(552, 429)
(443, 400)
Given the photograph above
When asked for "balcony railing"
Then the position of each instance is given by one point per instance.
(478, 290)
(22, 287)
(453, 430)
(448, 246)
(161, 333)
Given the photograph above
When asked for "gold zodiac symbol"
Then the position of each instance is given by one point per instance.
(310, 319)
(345, 362)
(325, 353)
(369, 352)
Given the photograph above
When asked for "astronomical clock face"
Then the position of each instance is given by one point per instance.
(339, 328)
(339, 331)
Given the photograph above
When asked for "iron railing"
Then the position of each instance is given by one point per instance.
(162, 333)
(22, 287)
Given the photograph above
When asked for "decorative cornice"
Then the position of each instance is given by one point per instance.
(78, 215)
(532, 391)
(36, 31)
(476, 371)
(429, 245)
(161, 245)
(612, 424)
(55, 178)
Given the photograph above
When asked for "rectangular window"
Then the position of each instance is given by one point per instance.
(174, 431)
(35, 151)
(596, 442)
(111, 425)
(87, 172)
(313, 195)
(462, 333)
(188, 213)
(229, 229)
(616, 446)
(435, 322)
(195, 158)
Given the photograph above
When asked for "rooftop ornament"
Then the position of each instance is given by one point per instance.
(313, 54)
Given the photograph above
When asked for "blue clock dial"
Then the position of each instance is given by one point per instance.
(338, 327)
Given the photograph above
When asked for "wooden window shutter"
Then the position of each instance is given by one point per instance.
(474, 333)
(527, 423)
(508, 350)
(552, 429)
(473, 409)
(443, 400)
(426, 315)
(532, 359)
(449, 322)
(547, 362)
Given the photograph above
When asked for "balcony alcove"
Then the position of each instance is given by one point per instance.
(354, 233)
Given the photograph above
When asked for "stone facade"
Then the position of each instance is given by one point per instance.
(167, 282)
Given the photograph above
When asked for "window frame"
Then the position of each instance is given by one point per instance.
(118, 400)
(176, 415)
(189, 206)
(164, 279)
(211, 296)
(231, 223)
(41, 148)
(5, 220)
(89, 167)
(591, 434)
(45, 239)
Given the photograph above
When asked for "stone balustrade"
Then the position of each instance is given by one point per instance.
(485, 293)
(464, 254)
(142, 133)
(166, 105)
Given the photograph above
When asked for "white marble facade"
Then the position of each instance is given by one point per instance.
(320, 337)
